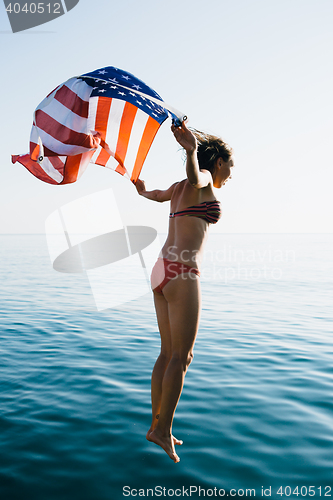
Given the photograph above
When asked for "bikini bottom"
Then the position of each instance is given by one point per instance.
(165, 269)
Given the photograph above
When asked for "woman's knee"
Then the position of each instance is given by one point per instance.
(190, 357)
(165, 356)
(184, 359)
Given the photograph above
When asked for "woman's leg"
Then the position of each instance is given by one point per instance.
(162, 314)
(161, 307)
(183, 298)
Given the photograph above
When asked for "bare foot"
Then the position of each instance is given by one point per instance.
(166, 442)
(179, 442)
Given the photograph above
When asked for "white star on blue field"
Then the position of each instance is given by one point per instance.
(122, 84)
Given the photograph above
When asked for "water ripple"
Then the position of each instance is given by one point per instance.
(75, 384)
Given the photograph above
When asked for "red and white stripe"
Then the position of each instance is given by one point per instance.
(126, 133)
(75, 129)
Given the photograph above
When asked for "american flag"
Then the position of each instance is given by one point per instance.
(108, 117)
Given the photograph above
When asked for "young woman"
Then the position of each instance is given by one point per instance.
(175, 277)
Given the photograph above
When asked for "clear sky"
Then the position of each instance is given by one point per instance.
(259, 73)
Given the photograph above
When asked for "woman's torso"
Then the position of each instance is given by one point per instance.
(187, 235)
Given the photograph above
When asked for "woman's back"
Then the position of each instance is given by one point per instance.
(187, 234)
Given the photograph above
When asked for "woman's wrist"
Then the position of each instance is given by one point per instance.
(191, 151)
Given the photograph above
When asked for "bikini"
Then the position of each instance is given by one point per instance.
(165, 269)
(210, 211)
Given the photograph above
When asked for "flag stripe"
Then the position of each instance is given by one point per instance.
(81, 88)
(85, 160)
(36, 169)
(96, 154)
(58, 148)
(101, 123)
(62, 133)
(48, 95)
(91, 122)
(148, 136)
(102, 115)
(72, 101)
(138, 128)
(49, 169)
(72, 169)
(47, 152)
(64, 116)
(58, 162)
(75, 166)
(116, 112)
(34, 151)
(34, 135)
(121, 170)
(102, 158)
(125, 131)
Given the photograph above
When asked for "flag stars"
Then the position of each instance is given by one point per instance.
(114, 83)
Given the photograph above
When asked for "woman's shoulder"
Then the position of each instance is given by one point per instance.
(178, 191)
(185, 187)
(179, 186)
(185, 195)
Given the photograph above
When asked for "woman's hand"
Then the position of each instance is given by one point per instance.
(140, 186)
(185, 138)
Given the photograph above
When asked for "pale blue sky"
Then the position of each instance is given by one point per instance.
(259, 73)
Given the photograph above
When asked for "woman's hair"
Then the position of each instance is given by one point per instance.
(210, 148)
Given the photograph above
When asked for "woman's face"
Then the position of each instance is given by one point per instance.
(222, 171)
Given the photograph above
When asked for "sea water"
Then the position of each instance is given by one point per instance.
(256, 413)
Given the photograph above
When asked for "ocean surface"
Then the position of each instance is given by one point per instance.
(257, 406)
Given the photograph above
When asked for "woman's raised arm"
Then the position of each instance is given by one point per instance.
(197, 178)
(155, 195)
